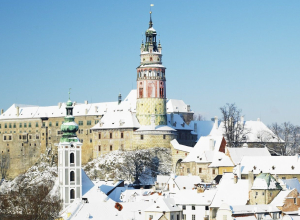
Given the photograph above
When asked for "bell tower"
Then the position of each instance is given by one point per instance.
(151, 81)
(69, 160)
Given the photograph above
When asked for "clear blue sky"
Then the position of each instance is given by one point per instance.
(216, 52)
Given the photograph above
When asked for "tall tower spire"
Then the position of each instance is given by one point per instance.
(69, 159)
(151, 81)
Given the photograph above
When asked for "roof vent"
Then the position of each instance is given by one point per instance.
(86, 102)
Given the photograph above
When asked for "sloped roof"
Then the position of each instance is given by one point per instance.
(176, 122)
(188, 197)
(176, 105)
(163, 205)
(118, 119)
(280, 198)
(237, 154)
(221, 160)
(247, 209)
(187, 182)
(254, 131)
(201, 153)
(230, 192)
(203, 127)
(162, 178)
(180, 147)
(265, 181)
(273, 164)
(290, 184)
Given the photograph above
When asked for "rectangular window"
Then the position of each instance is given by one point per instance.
(9, 137)
(44, 124)
(9, 125)
(24, 137)
(188, 170)
(183, 207)
(177, 217)
(193, 207)
(20, 137)
(25, 125)
(110, 148)
(4, 137)
(20, 125)
(59, 132)
(89, 123)
(213, 171)
(91, 140)
(142, 137)
(36, 124)
(99, 136)
(56, 123)
(164, 136)
(0, 125)
(5, 125)
(80, 123)
(30, 137)
(110, 135)
(122, 135)
(271, 194)
(200, 170)
(96, 121)
(29, 124)
(99, 148)
(50, 124)
(14, 125)
(256, 193)
(193, 217)
(295, 201)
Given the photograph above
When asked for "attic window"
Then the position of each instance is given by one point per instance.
(254, 167)
(220, 159)
(293, 167)
(157, 207)
(273, 167)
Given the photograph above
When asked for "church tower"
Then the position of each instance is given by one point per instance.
(151, 81)
(69, 159)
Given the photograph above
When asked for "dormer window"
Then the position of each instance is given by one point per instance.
(273, 167)
(293, 167)
(71, 157)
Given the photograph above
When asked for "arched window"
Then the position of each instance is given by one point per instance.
(72, 176)
(72, 194)
(71, 157)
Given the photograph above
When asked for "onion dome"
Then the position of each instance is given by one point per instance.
(69, 127)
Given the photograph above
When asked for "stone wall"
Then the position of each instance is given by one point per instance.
(262, 196)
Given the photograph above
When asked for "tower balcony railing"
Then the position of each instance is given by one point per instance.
(152, 77)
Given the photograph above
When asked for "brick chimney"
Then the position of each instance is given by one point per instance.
(18, 110)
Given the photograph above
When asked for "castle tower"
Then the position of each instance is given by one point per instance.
(151, 81)
(69, 160)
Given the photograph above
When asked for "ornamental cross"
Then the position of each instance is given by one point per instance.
(69, 92)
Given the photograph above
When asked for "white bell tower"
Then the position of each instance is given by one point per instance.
(69, 160)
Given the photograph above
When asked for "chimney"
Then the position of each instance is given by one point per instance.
(238, 171)
(250, 179)
(258, 119)
(195, 127)
(86, 111)
(119, 99)
(18, 110)
(74, 103)
(188, 108)
(96, 108)
(2, 111)
(245, 145)
(173, 175)
(235, 178)
(59, 105)
(86, 102)
(211, 144)
(216, 122)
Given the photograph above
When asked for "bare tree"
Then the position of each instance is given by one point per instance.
(287, 136)
(32, 203)
(233, 127)
(198, 117)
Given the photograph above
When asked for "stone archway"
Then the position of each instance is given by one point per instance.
(178, 167)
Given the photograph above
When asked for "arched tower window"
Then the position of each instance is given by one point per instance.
(72, 176)
(71, 157)
(72, 194)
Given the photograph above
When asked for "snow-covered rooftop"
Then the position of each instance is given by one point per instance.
(237, 154)
(230, 192)
(177, 106)
(164, 205)
(180, 147)
(265, 181)
(191, 197)
(280, 198)
(273, 164)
